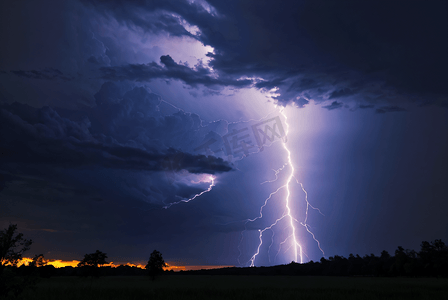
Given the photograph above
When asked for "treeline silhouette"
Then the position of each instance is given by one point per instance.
(92, 265)
(430, 261)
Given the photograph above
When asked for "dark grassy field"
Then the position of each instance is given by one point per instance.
(239, 287)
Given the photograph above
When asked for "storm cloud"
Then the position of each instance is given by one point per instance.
(42, 136)
(339, 49)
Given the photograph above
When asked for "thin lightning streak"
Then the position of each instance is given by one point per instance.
(306, 199)
(304, 224)
(250, 120)
(259, 217)
(265, 203)
(276, 174)
(306, 255)
(211, 179)
(270, 245)
(280, 247)
(252, 259)
(171, 105)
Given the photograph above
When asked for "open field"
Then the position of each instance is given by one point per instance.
(239, 287)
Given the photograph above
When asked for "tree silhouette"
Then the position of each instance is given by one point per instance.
(434, 256)
(39, 266)
(9, 241)
(155, 264)
(38, 261)
(12, 246)
(91, 263)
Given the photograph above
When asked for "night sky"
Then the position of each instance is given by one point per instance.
(114, 113)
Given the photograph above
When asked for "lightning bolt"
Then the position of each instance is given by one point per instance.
(209, 178)
(287, 214)
(288, 209)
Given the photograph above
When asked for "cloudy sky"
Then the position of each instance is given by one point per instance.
(115, 114)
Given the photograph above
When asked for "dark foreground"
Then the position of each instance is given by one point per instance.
(239, 287)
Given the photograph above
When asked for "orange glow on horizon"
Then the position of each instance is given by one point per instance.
(58, 263)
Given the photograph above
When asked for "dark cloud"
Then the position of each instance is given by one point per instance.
(301, 102)
(341, 93)
(42, 136)
(333, 105)
(100, 60)
(132, 117)
(48, 64)
(392, 108)
(365, 106)
(2, 181)
(172, 70)
(45, 74)
(159, 16)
